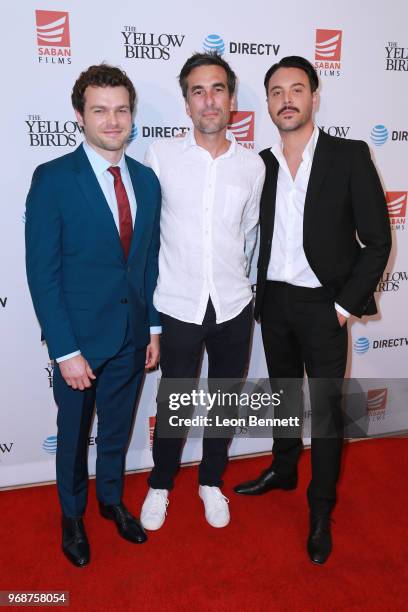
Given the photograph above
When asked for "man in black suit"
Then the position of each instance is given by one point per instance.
(312, 272)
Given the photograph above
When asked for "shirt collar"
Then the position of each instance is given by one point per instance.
(308, 152)
(100, 164)
(190, 141)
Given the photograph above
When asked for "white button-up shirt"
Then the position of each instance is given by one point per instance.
(100, 166)
(288, 262)
(209, 218)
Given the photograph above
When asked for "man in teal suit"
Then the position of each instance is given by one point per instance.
(92, 241)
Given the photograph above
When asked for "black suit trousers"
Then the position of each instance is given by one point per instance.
(182, 345)
(300, 331)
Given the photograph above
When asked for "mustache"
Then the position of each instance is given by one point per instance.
(285, 108)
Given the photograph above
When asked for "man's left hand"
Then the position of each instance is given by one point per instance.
(153, 352)
(342, 319)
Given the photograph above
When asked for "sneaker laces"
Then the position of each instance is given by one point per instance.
(156, 501)
(219, 499)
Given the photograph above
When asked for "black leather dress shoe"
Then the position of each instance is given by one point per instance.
(75, 545)
(319, 543)
(267, 481)
(128, 526)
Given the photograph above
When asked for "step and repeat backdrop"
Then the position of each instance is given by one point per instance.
(360, 51)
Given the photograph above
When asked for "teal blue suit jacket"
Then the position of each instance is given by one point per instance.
(83, 289)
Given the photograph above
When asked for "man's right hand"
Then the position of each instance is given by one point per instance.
(77, 372)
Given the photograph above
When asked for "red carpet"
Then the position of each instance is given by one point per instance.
(257, 563)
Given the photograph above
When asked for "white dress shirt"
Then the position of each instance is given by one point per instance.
(106, 181)
(209, 218)
(288, 262)
(100, 166)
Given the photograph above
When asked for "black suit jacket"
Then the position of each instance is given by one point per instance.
(344, 196)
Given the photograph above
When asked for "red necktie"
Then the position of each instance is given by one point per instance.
(125, 216)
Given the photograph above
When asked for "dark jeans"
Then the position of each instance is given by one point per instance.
(300, 330)
(182, 346)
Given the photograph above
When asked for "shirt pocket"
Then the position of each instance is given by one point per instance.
(234, 204)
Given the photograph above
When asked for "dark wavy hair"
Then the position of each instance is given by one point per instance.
(294, 61)
(206, 59)
(101, 75)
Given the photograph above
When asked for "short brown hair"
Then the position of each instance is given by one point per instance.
(101, 75)
(206, 59)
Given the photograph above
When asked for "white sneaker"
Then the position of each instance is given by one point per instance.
(216, 506)
(154, 509)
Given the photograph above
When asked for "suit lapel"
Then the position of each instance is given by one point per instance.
(268, 205)
(95, 199)
(322, 161)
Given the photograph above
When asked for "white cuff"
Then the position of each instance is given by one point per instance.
(341, 310)
(65, 357)
(156, 330)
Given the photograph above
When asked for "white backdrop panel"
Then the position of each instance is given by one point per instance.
(357, 93)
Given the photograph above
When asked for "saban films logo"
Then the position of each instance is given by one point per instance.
(396, 58)
(152, 425)
(53, 39)
(397, 208)
(376, 403)
(52, 133)
(242, 125)
(145, 45)
(328, 52)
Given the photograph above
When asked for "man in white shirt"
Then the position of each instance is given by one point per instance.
(211, 190)
(312, 274)
(92, 238)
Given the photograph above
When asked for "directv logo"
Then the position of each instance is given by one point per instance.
(50, 445)
(133, 134)
(361, 346)
(379, 135)
(214, 43)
